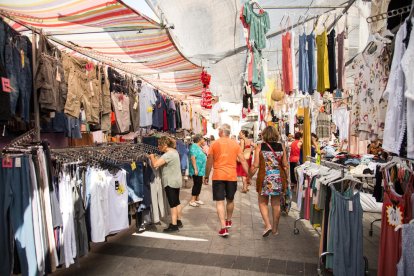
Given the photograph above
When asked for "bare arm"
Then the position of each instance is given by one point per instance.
(156, 163)
(209, 165)
(256, 162)
(242, 144)
(193, 161)
(284, 159)
(243, 162)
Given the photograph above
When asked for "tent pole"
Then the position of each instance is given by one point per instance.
(35, 99)
(300, 7)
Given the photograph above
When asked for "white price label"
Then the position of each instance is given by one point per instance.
(18, 162)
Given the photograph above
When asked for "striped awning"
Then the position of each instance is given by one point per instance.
(111, 32)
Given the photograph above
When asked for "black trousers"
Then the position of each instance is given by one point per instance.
(198, 182)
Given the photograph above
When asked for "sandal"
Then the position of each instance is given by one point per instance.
(267, 232)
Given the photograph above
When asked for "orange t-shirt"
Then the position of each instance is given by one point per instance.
(225, 151)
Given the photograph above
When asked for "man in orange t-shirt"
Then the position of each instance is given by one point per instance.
(223, 155)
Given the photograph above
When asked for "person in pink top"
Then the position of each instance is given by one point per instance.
(295, 156)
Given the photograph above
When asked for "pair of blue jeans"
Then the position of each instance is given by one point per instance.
(19, 71)
(16, 217)
(135, 182)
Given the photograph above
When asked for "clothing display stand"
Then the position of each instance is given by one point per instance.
(326, 164)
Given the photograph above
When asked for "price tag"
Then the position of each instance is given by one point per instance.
(18, 162)
(135, 105)
(7, 162)
(52, 114)
(22, 57)
(91, 87)
(149, 109)
(133, 166)
(350, 206)
(119, 106)
(116, 185)
(58, 75)
(5, 82)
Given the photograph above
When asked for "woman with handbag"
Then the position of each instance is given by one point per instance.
(247, 147)
(271, 160)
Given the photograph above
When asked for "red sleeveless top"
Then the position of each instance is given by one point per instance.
(294, 152)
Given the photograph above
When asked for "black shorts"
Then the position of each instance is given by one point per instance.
(224, 189)
(173, 196)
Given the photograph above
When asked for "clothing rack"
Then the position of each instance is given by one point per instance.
(90, 54)
(24, 138)
(342, 168)
(389, 14)
(328, 164)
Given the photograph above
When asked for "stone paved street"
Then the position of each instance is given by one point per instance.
(198, 250)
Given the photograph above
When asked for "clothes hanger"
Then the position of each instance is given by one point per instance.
(398, 227)
(349, 177)
(324, 23)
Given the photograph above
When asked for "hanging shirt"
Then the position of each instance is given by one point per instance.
(293, 60)
(158, 113)
(215, 114)
(311, 62)
(395, 119)
(393, 212)
(117, 202)
(340, 117)
(322, 63)
(185, 117)
(332, 61)
(147, 101)
(303, 65)
(408, 67)
(369, 106)
(341, 65)
(259, 24)
(287, 63)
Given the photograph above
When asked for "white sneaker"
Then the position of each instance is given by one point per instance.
(193, 204)
(199, 202)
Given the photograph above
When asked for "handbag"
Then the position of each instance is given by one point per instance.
(283, 174)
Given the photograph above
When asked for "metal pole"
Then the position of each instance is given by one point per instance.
(343, 12)
(299, 7)
(306, 133)
(35, 99)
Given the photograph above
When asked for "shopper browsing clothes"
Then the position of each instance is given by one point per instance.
(295, 156)
(197, 168)
(170, 166)
(247, 147)
(270, 158)
(223, 156)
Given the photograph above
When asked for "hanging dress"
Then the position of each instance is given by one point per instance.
(310, 39)
(322, 63)
(287, 63)
(303, 65)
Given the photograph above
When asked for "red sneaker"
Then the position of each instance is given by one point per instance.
(223, 232)
(228, 223)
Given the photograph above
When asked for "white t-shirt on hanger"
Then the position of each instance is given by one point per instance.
(215, 114)
(117, 201)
